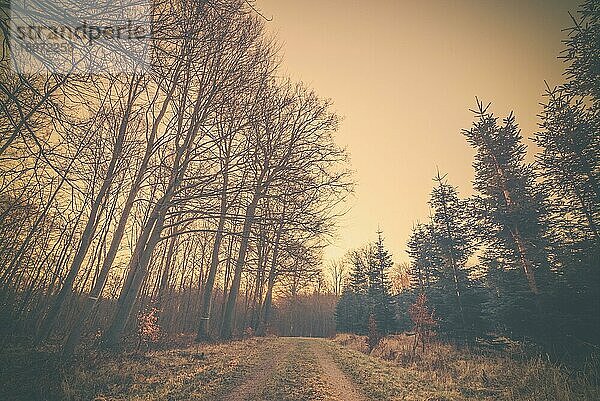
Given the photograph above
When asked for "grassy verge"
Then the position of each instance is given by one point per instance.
(202, 372)
(298, 379)
(381, 380)
(461, 374)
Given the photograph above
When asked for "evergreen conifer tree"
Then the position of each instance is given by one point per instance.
(352, 310)
(569, 168)
(510, 209)
(441, 249)
(368, 292)
(382, 306)
(456, 297)
(423, 255)
(511, 206)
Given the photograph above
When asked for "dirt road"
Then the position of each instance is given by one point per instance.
(300, 369)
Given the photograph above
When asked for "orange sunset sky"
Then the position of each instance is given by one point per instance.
(403, 75)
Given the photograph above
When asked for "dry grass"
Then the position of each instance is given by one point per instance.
(299, 379)
(204, 372)
(381, 380)
(201, 372)
(288, 370)
(480, 375)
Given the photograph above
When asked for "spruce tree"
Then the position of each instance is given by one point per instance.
(569, 165)
(381, 302)
(423, 255)
(569, 169)
(510, 207)
(368, 292)
(456, 297)
(439, 251)
(569, 161)
(509, 203)
(352, 310)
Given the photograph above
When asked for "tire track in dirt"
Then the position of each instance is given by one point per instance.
(256, 381)
(339, 385)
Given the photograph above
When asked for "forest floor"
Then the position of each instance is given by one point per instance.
(265, 369)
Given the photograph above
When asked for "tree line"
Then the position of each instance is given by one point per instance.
(521, 257)
(197, 185)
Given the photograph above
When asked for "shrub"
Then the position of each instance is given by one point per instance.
(148, 328)
(423, 322)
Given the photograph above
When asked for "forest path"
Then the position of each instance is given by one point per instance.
(302, 369)
(339, 385)
(257, 380)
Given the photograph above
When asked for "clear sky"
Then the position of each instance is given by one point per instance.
(403, 75)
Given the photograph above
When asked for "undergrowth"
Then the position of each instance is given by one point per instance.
(478, 374)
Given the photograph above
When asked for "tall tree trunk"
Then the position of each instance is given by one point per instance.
(137, 273)
(152, 231)
(266, 308)
(259, 283)
(525, 263)
(204, 325)
(228, 315)
(166, 271)
(93, 299)
(88, 232)
(521, 249)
